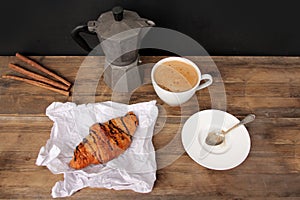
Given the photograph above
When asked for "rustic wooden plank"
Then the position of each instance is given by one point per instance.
(267, 145)
(255, 69)
(72, 64)
(81, 88)
(28, 104)
(276, 159)
(169, 183)
(249, 88)
(20, 141)
(260, 105)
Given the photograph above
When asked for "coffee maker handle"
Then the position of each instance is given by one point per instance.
(79, 39)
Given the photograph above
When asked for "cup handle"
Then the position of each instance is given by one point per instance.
(207, 83)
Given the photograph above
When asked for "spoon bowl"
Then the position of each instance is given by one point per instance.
(218, 137)
(215, 138)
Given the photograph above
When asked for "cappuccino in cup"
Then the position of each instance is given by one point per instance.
(176, 76)
(175, 80)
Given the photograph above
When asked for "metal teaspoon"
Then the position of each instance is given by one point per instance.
(216, 138)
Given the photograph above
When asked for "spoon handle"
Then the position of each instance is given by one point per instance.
(246, 120)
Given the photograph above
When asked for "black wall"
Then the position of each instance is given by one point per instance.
(36, 27)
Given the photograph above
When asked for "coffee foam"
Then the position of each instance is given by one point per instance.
(176, 76)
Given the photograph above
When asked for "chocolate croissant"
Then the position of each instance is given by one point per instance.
(105, 141)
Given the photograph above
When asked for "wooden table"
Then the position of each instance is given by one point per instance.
(266, 86)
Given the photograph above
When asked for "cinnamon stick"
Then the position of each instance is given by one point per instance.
(37, 77)
(43, 69)
(36, 83)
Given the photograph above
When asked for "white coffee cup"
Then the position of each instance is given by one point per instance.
(178, 98)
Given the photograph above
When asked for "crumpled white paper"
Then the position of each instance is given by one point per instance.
(135, 169)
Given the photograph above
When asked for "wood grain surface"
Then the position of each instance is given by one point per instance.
(266, 86)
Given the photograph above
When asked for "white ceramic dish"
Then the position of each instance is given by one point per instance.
(224, 156)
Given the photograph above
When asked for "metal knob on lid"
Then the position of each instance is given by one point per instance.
(118, 13)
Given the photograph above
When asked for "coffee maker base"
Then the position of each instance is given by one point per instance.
(123, 78)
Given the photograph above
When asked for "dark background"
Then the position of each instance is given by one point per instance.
(35, 27)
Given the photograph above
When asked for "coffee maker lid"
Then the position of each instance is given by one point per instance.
(118, 20)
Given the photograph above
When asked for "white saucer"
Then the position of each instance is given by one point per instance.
(225, 156)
